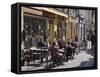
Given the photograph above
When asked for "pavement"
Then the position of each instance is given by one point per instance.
(83, 59)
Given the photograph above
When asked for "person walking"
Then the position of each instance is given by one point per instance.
(93, 40)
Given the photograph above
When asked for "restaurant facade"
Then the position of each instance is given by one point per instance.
(46, 23)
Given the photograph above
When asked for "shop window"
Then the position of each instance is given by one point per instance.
(35, 29)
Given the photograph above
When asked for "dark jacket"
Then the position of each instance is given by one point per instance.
(40, 44)
(53, 51)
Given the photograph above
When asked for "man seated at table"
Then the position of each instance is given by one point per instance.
(73, 46)
(40, 43)
(68, 51)
(54, 53)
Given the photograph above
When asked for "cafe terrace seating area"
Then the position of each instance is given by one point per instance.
(39, 57)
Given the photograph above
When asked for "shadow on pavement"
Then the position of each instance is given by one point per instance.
(90, 52)
(89, 63)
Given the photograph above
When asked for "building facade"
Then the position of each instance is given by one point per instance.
(47, 23)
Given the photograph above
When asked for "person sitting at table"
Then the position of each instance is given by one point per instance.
(68, 51)
(73, 46)
(68, 42)
(54, 54)
(46, 43)
(60, 44)
(40, 43)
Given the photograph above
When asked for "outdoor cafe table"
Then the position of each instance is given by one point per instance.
(61, 50)
(34, 48)
(61, 54)
(40, 51)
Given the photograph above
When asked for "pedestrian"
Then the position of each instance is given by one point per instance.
(76, 38)
(93, 40)
(85, 43)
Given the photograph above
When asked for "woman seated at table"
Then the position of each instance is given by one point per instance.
(54, 54)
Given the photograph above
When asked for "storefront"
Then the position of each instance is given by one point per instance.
(35, 28)
(45, 23)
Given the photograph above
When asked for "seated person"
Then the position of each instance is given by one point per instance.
(73, 46)
(68, 42)
(68, 50)
(46, 43)
(54, 53)
(40, 44)
(60, 44)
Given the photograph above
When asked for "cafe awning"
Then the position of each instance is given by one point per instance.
(32, 11)
(55, 12)
(52, 10)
